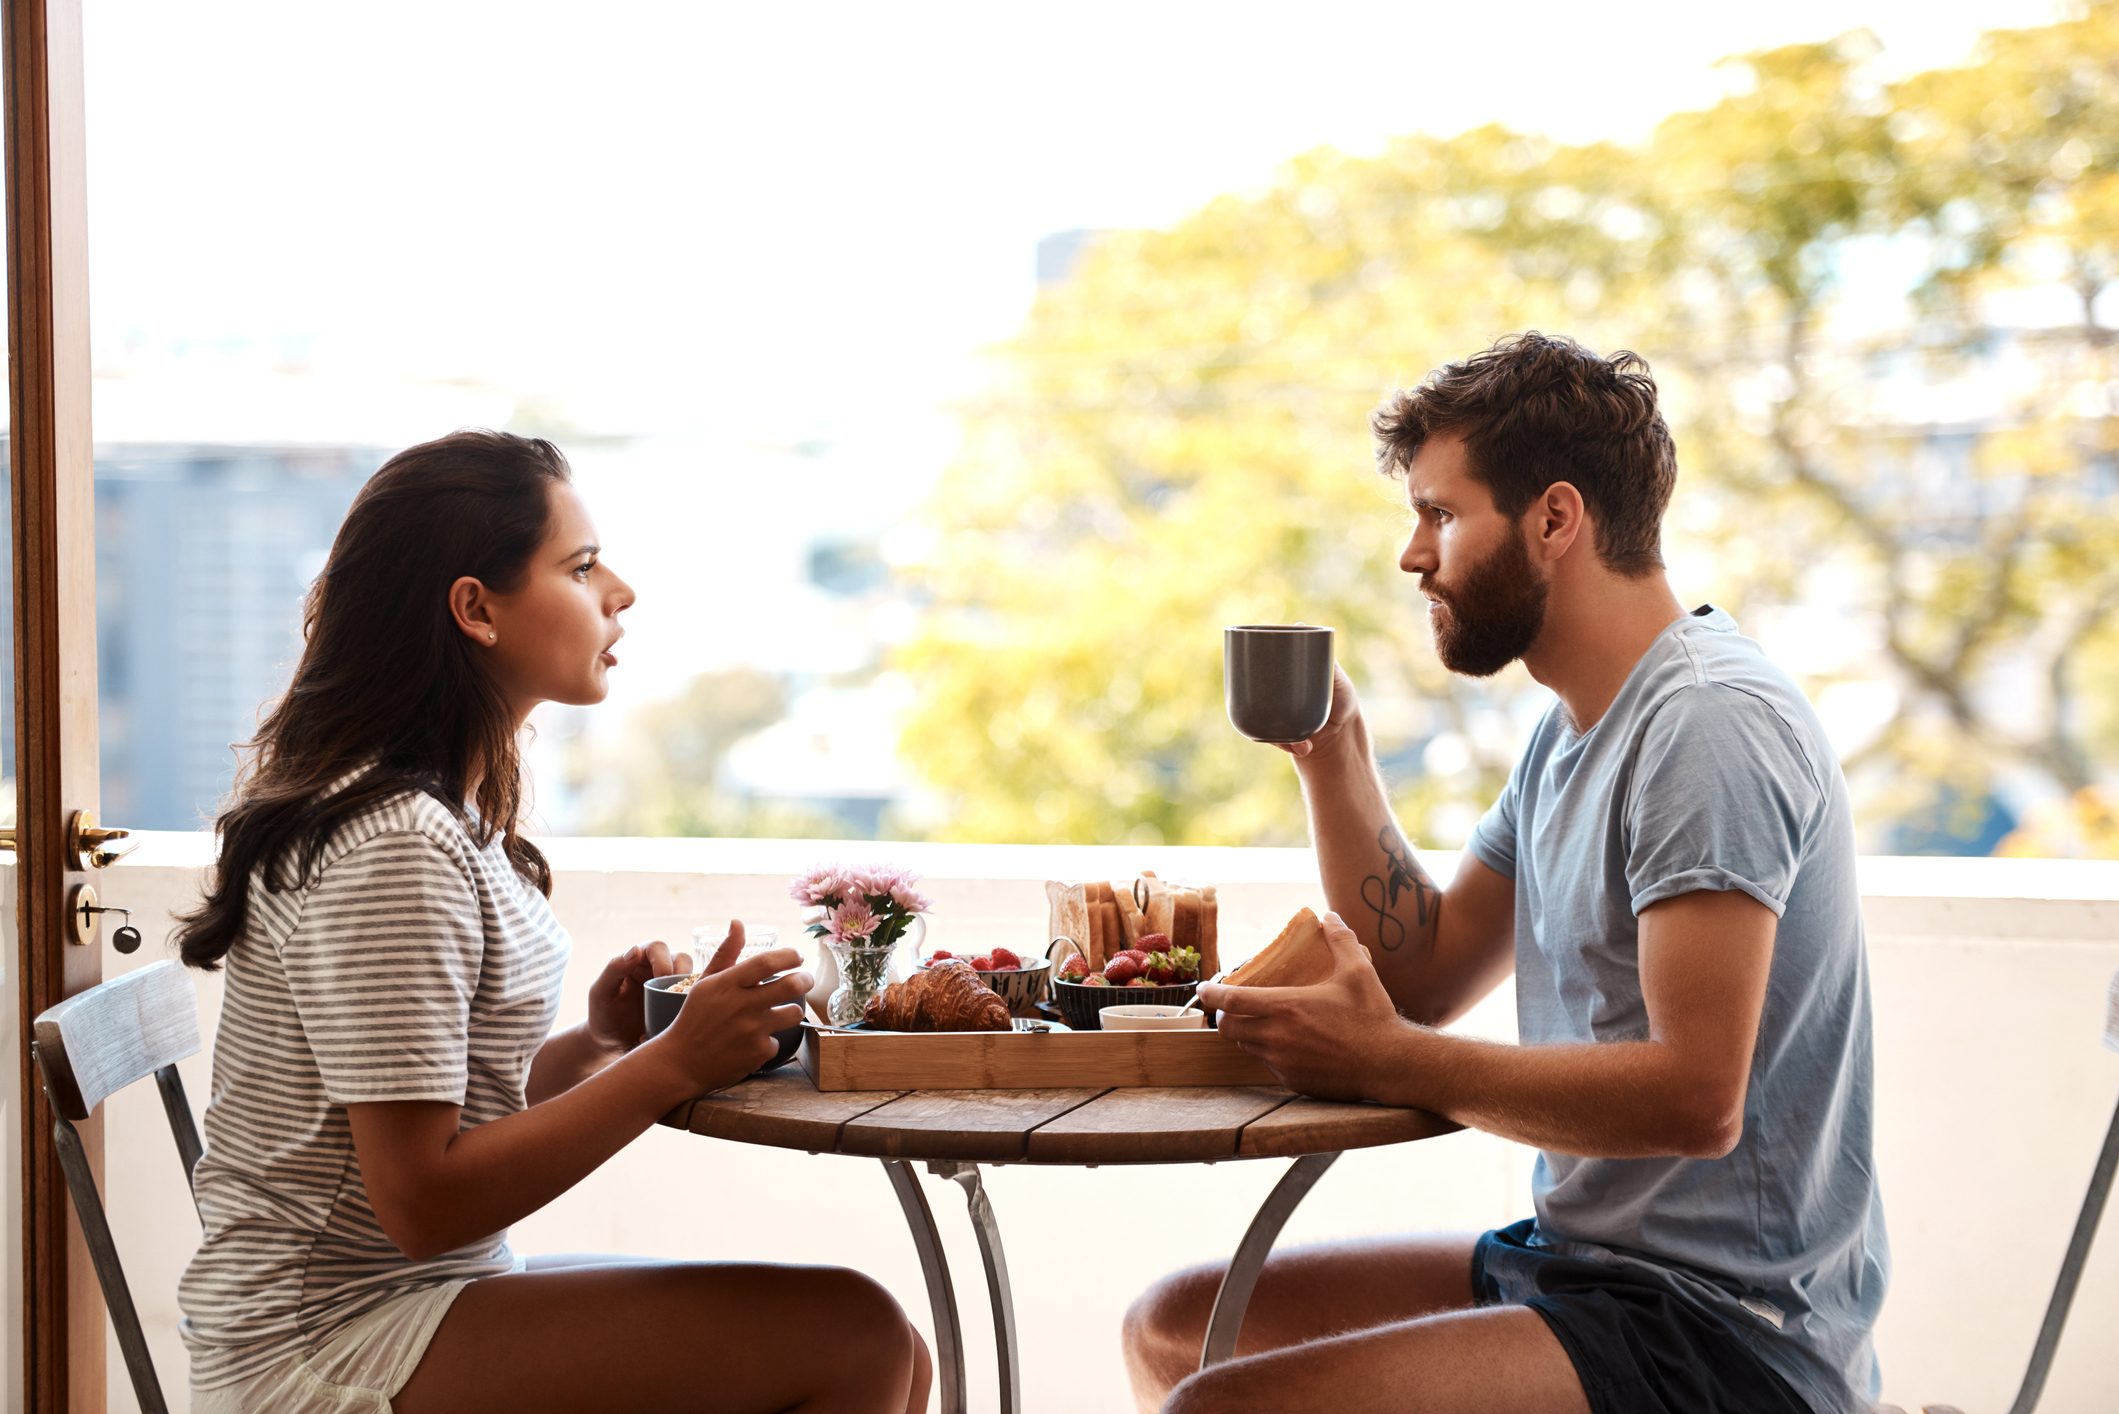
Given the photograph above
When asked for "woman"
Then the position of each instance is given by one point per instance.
(388, 1095)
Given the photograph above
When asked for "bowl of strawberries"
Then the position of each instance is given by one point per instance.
(1020, 980)
(1151, 972)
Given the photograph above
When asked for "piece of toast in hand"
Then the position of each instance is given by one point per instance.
(1299, 957)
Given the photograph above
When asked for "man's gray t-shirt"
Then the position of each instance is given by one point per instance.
(1710, 771)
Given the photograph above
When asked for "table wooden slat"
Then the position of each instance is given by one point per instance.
(1306, 1126)
(988, 1125)
(1166, 1124)
(783, 1108)
(1154, 1126)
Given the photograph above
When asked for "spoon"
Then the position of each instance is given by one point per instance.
(1190, 1005)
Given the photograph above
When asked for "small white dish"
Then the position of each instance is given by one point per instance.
(1151, 1018)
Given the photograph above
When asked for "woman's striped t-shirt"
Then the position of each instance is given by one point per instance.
(414, 966)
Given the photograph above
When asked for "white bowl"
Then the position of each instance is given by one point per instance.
(1152, 1018)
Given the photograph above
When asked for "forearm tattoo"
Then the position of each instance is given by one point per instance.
(1401, 874)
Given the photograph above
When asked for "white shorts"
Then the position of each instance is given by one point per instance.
(358, 1367)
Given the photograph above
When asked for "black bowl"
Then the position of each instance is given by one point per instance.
(663, 1004)
(1083, 1007)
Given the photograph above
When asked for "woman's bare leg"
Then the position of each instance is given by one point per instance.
(581, 1334)
(1304, 1294)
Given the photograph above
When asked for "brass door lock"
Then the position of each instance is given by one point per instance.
(88, 847)
(81, 910)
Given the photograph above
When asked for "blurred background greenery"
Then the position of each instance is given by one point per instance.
(1881, 318)
(945, 375)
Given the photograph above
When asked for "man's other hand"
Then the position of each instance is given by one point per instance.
(1321, 1039)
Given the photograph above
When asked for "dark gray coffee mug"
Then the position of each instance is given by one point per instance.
(1277, 679)
(663, 1005)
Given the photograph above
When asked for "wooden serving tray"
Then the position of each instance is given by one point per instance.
(1025, 1060)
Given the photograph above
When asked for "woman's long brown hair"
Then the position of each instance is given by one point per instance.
(387, 678)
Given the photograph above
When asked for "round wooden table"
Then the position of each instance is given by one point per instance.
(953, 1132)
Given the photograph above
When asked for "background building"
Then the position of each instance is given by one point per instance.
(203, 556)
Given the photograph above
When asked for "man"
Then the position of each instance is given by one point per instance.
(1669, 874)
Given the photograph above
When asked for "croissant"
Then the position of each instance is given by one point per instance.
(947, 996)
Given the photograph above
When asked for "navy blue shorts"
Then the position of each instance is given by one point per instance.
(1640, 1346)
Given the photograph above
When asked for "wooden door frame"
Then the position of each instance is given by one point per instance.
(53, 510)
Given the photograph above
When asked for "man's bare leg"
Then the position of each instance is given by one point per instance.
(1459, 1362)
(1304, 1294)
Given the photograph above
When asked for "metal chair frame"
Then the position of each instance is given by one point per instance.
(2078, 1250)
(87, 1048)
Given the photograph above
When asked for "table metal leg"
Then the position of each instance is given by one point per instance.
(941, 1294)
(998, 1291)
(2078, 1254)
(1242, 1277)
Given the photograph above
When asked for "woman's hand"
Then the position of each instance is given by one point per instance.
(724, 1030)
(617, 1015)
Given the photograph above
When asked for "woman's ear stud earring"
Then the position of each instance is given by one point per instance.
(492, 638)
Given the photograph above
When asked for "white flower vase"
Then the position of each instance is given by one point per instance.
(826, 971)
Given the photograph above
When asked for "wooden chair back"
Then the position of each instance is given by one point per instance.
(97, 1043)
(87, 1048)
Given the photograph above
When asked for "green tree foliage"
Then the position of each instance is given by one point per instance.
(1178, 439)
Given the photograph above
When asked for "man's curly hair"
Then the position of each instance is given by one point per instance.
(1535, 409)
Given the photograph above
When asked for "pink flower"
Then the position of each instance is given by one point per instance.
(857, 903)
(893, 889)
(857, 881)
(825, 885)
(853, 921)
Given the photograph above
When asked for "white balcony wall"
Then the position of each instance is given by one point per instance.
(1990, 980)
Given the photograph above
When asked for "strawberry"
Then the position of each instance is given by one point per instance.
(1162, 969)
(1154, 942)
(1139, 982)
(939, 954)
(1074, 969)
(1096, 979)
(1122, 969)
(1006, 958)
(1137, 954)
(982, 964)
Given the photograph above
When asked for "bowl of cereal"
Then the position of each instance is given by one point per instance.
(664, 998)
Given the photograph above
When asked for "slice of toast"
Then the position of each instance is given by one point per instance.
(1299, 957)
(1094, 944)
(1067, 908)
(1184, 918)
(1160, 909)
(1131, 921)
(1209, 932)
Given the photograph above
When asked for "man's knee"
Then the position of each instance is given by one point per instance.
(1171, 1316)
(1221, 1390)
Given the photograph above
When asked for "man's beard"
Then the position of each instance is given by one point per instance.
(1494, 616)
